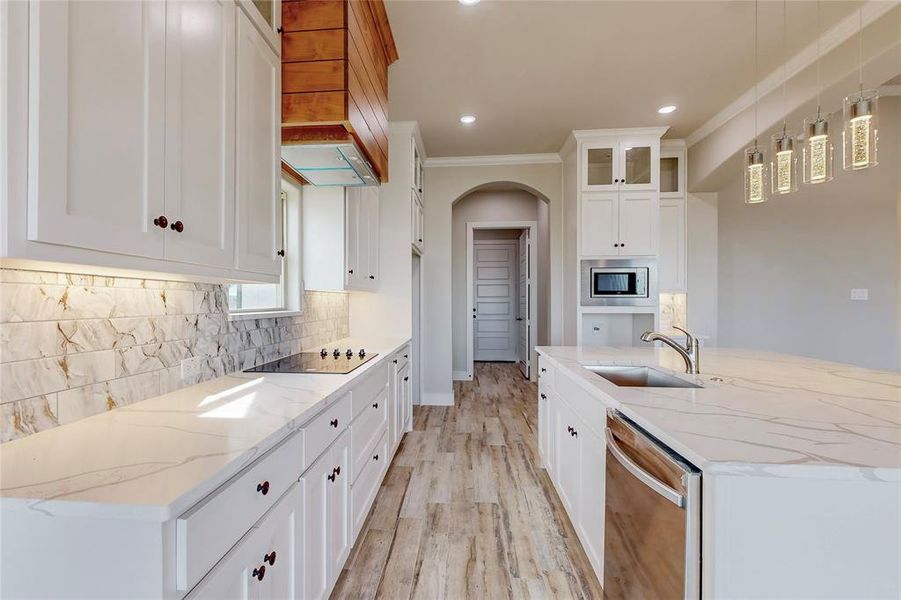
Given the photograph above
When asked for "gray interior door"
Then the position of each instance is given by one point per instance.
(523, 321)
(495, 298)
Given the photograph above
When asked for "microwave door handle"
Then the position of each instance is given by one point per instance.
(642, 475)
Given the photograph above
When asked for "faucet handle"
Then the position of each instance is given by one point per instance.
(690, 340)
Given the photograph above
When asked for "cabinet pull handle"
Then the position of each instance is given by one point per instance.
(331, 477)
(178, 226)
(334, 423)
(263, 488)
(544, 396)
(270, 558)
(574, 433)
(406, 356)
(376, 457)
(281, 252)
(372, 276)
(161, 221)
(569, 429)
(351, 271)
(395, 361)
(406, 379)
(375, 405)
(259, 573)
(543, 370)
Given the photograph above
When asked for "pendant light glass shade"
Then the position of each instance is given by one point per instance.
(818, 153)
(860, 131)
(784, 171)
(755, 176)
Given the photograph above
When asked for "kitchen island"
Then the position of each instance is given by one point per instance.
(800, 461)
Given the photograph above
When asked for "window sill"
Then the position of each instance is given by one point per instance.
(263, 314)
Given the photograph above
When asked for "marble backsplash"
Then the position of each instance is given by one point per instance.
(74, 345)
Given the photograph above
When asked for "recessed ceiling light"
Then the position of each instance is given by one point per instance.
(665, 110)
(469, 2)
(468, 119)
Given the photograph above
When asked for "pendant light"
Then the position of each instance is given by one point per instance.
(754, 173)
(818, 151)
(784, 161)
(859, 135)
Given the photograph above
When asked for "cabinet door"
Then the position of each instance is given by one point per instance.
(416, 222)
(404, 398)
(592, 455)
(200, 131)
(599, 223)
(638, 214)
(568, 459)
(542, 426)
(639, 163)
(262, 564)
(314, 549)
(371, 235)
(257, 171)
(338, 528)
(671, 264)
(600, 165)
(356, 263)
(417, 169)
(96, 125)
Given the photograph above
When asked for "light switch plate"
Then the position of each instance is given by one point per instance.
(860, 294)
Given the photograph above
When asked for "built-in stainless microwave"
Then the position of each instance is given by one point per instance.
(619, 282)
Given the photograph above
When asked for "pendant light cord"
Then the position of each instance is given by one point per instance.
(784, 59)
(756, 75)
(818, 59)
(860, 50)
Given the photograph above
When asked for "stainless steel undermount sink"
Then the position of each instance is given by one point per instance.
(625, 376)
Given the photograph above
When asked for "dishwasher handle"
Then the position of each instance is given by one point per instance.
(642, 475)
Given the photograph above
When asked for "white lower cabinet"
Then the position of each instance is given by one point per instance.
(262, 564)
(574, 455)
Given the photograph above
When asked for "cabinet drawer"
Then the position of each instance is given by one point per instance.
(366, 430)
(268, 546)
(403, 356)
(367, 484)
(365, 392)
(208, 529)
(324, 429)
(547, 375)
(589, 409)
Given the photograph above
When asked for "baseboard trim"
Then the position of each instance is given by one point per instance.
(438, 399)
(462, 376)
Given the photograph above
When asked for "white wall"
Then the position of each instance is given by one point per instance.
(787, 267)
(443, 186)
(701, 265)
(543, 248)
(488, 205)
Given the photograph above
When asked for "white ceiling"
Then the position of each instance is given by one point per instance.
(534, 70)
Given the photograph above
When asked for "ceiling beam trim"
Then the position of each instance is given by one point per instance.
(873, 10)
(493, 160)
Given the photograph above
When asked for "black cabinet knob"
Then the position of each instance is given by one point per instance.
(178, 226)
(616, 245)
(331, 477)
(372, 276)
(406, 356)
(375, 405)
(351, 271)
(334, 423)
(161, 221)
(270, 558)
(336, 470)
(395, 361)
(375, 457)
(622, 245)
(543, 396)
(281, 252)
(263, 488)
(543, 370)
(259, 573)
(406, 379)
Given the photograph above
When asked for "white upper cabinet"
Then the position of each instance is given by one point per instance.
(362, 238)
(600, 224)
(638, 216)
(672, 173)
(625, 162)
(417, 220)
(417, 169)
(200, 131)
(96, 125)
(257, 170)
(671, 265)
(618, 224)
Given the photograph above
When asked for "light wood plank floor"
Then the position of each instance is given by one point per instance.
(465, 510)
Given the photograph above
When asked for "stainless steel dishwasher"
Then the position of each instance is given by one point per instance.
(652, 539)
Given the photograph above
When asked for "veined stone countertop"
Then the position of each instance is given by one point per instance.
(154, 459)
(759, 413)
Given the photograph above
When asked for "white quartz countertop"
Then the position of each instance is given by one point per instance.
(154, 459)
(758, 413)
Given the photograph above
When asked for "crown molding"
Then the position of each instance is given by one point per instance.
(872, 11)
(493, 160)
(582, 135)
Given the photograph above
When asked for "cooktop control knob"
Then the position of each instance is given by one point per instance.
(336, 353)
(323, 353)
(362, 353)
(349, 354)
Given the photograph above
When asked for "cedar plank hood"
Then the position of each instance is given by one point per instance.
(335, 57)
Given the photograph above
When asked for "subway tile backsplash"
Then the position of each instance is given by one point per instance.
(74, 345)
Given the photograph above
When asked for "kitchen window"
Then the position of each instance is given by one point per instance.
(286, 297)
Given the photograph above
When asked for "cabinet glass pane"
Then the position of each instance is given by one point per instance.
(669, 174)
(265, 7)
(600, 166)
(638, 165)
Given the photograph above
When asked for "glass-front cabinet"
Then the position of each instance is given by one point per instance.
(672, 169)
(620, 164)
(267, 17)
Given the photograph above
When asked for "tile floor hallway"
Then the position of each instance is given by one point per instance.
(465, 510)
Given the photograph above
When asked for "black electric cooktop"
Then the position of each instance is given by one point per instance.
(334, 361)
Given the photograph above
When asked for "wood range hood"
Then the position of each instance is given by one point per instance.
(335, 57)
